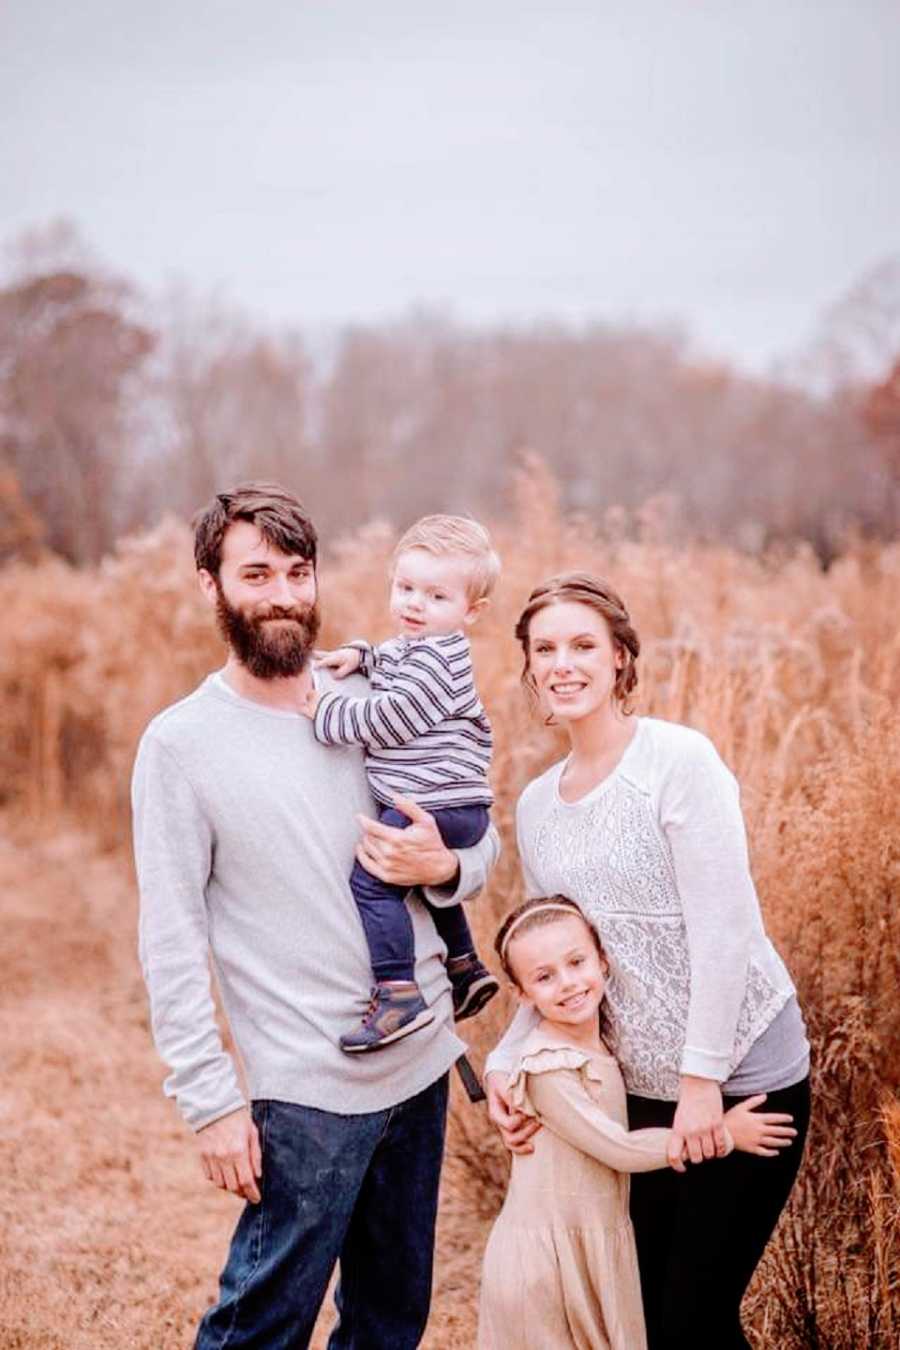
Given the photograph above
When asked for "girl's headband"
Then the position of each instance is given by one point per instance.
(537, 909)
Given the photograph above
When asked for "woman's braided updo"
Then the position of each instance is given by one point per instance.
(581, 588)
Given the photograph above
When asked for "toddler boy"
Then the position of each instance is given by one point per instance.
(426, 737)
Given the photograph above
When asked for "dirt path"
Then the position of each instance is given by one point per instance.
(109, 1237)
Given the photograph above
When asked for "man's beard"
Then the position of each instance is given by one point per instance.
(269, 650)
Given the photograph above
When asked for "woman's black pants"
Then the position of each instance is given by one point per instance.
(700, 1234)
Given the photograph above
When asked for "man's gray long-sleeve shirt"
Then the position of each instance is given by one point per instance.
(245, 830)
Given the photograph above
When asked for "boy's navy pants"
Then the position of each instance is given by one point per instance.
(382, 907)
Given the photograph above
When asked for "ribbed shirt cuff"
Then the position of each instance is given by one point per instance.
(200, 1120)
(366, 655)
(471, 878)
(705, 1064)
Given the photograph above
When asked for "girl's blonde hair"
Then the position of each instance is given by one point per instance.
(443, 535)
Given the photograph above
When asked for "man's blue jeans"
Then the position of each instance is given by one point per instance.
(361, 1189)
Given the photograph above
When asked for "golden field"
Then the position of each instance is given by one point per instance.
(110, 1236)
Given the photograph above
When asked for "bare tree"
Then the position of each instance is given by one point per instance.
(230, 402)
(68, 353)
(109, 418)
(859, 336)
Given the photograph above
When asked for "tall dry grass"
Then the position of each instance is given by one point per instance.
(795, 673)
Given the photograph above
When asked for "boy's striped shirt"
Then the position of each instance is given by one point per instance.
(424, 729)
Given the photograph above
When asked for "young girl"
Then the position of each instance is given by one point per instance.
(560, 1268)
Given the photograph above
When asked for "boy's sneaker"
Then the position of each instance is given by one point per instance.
(396, 1009)
(472, 983)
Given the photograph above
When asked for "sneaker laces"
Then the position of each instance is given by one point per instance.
(369, 1015)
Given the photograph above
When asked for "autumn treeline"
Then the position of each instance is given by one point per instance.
(115, 410)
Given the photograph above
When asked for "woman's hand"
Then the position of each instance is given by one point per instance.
(760, 1132)
(697, 1131)
(515, 1127)
(342, 661)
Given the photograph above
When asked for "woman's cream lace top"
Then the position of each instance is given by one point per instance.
(656, 856)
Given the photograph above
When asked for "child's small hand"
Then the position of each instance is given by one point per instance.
(761, 1132)
(342, 661)
(308, 709)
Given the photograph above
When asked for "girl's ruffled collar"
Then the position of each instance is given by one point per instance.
(546, 1050)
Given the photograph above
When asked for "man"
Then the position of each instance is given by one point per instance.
(245, 829)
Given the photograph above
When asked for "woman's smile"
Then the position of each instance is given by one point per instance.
(572, 659)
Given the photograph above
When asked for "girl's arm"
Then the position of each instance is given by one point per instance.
(560, 1098)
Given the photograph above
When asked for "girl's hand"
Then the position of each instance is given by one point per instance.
(760, 1132)
(515, 1127)
(342, 661)
(697, 1131)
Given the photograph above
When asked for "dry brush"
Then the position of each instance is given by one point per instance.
(793, 671)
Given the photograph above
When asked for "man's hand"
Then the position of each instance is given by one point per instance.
(231, 1155)
(697, 1130)
(416, 856)
(515, 1127)
(341, 662)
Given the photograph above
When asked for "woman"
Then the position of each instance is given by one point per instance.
(641, 825)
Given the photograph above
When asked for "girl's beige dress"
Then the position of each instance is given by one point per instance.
(560, 1268)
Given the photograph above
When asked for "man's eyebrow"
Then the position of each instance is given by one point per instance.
(305, 564)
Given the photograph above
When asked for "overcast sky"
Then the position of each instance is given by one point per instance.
(729, 166)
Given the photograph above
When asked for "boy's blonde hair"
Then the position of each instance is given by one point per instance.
(456, 534)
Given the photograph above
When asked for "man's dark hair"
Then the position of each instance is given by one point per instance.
(279, 516)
